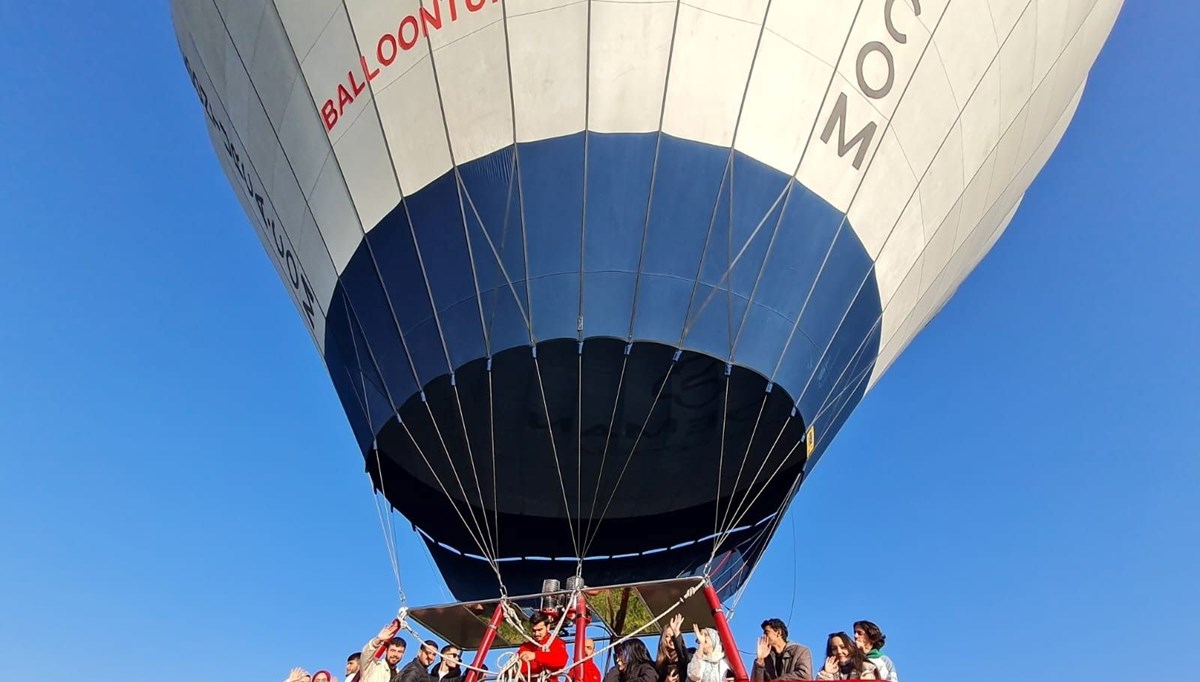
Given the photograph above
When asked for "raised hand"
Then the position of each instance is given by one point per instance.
(762, 649)
(389, 631)
(297, 675)
(831, 665)
(674, 628)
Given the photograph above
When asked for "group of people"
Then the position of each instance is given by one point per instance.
(847, 657)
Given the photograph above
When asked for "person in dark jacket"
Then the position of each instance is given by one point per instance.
(633, 663)
(671, 664)
(448, 669)
(417, 669)
(778, 659)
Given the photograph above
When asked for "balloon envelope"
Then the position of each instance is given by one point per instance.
(600, 280)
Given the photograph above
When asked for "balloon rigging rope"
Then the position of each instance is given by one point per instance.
(720, 471)
(608, 437)
(612, 495)
(662, 112)
(554, 451)
(720, 529)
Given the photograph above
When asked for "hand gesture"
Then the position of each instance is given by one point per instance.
(528, 656)
(703, 645)
(831, 665)
(297, 675)
(762, 649)
(389, 631)
(674, 627)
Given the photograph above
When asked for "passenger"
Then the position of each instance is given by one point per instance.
(550, 655)
(671, 664)
(633, 663)
(417, 669)
(591, 673)
(448, 668)
(709, 664)
(322, 676)
(845, 661)
(778, 659)
(352, 666)
(870, 639)
(382, 669)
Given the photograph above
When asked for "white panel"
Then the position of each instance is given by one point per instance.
(470, 57)
(630, 46)
(303, 136)
(414, 127)
(335, 216)
(975, 199)
(362, 157)
(939, 246)
(549, 63)
(1005, 13)
(748, 11)
(1052, 34)
(708, 76)
(943, 183)
(242, 19)
(1016, 67)
(273, 68)
(304, 20)
(929, 112)
(886, 189)
(966, 44)
(818, 28)
(980, 122)
(777, 120)
(903, 248)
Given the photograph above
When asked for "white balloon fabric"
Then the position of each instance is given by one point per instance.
(714, 221)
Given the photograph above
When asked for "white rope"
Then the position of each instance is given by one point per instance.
(691, 592)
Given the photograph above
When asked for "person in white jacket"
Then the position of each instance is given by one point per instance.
(708, 664)
(383, 669)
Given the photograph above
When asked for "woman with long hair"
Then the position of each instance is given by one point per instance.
(633, 663)
(845, 661)
(673, 655)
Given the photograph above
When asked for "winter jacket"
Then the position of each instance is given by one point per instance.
(552, 659)
(453, 675)
(793, 663)
(641, 672)
(869, 672)
(590, 672)
(413, 672)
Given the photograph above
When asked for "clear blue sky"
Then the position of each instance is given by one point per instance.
(180, 495)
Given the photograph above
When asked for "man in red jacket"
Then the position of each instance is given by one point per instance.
(549, 656)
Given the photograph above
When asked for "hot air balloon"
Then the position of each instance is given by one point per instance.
(597, 283)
